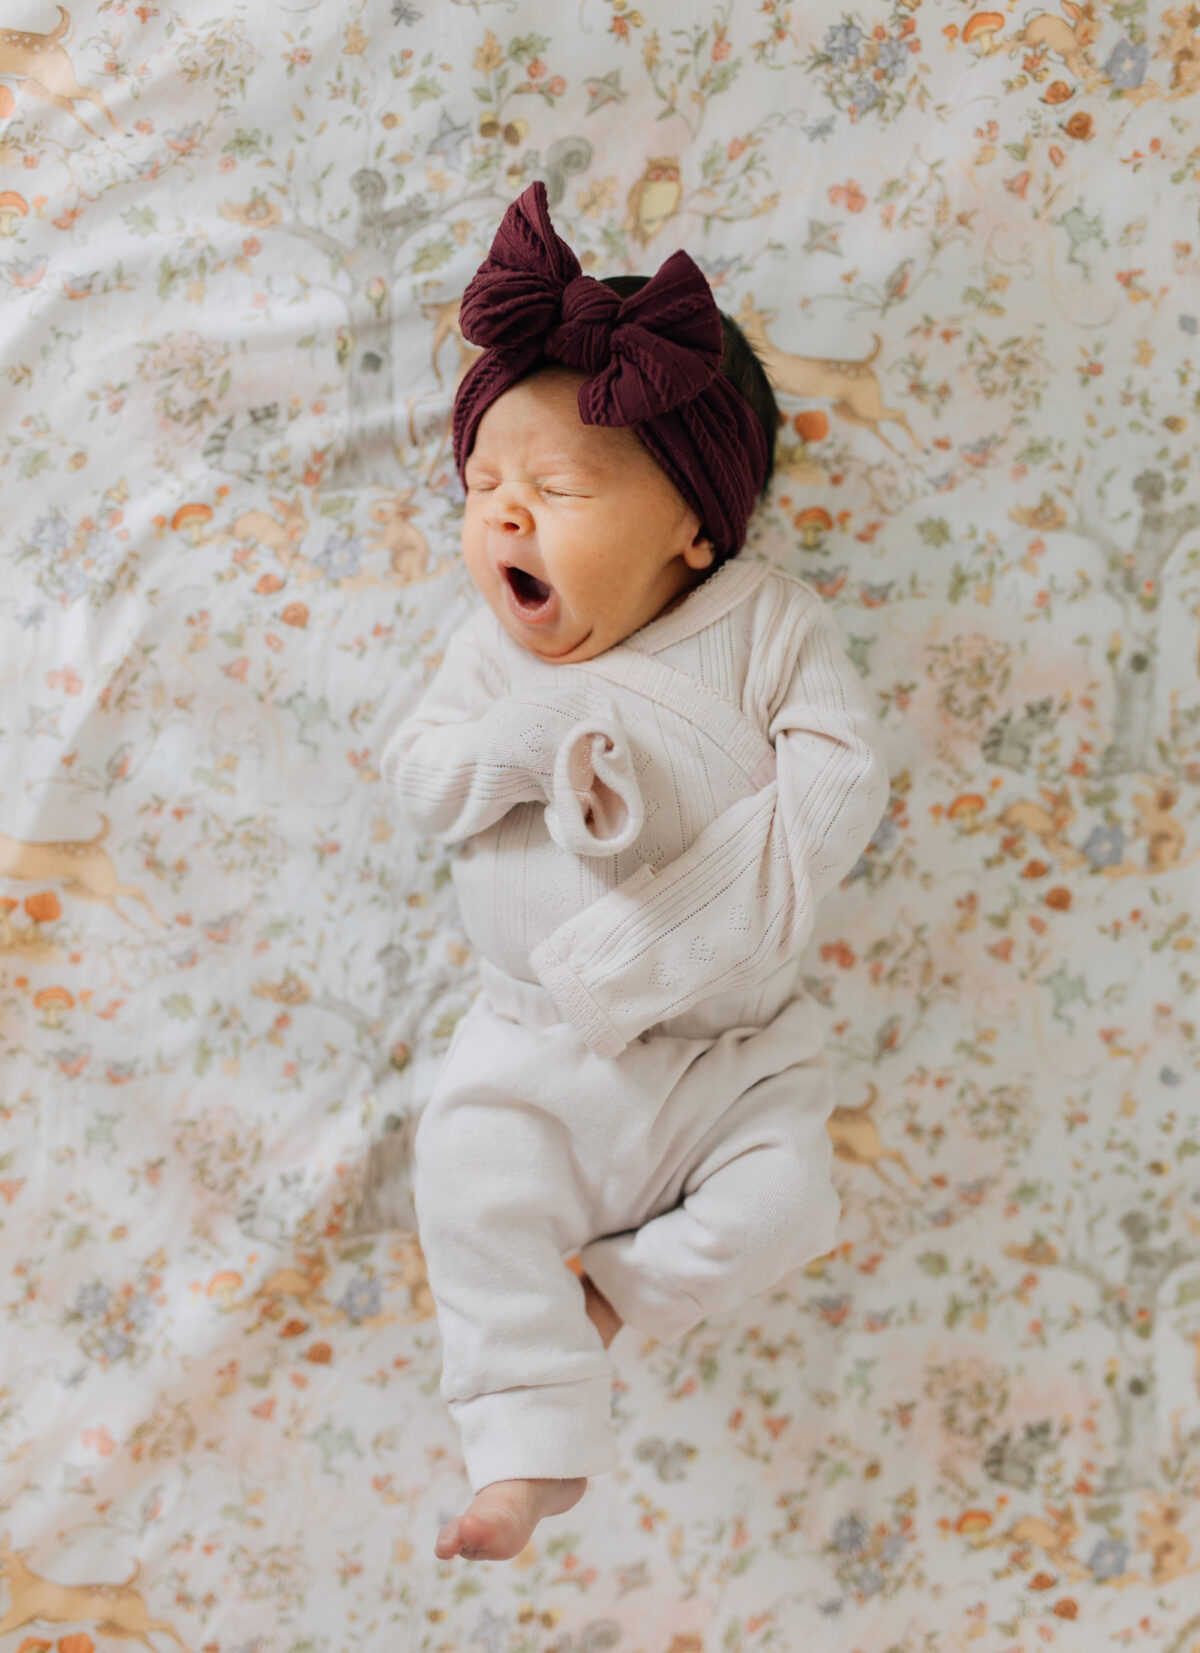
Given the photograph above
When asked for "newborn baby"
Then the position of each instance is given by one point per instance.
(657, 758)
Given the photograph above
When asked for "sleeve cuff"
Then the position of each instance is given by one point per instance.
(613, 797)
(576, 1003)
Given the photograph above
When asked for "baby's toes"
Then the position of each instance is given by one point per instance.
(449, 1541)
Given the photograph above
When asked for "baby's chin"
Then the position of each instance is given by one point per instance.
(567, 642)
(555, 655)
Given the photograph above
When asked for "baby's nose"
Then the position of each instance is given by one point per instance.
(507, 517)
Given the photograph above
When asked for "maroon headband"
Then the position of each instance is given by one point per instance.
(655, 360)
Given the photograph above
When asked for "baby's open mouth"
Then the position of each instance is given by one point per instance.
(529, 592)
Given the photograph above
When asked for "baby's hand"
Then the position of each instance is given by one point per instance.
(596, 804)
(580, 772)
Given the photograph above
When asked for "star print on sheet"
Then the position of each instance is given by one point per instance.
(448, 141)
(603, 89)
(823, 238)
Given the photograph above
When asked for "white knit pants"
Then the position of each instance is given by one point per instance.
(690, 1174)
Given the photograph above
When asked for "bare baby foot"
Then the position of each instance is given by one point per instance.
(600, 1311)
(501, 1517)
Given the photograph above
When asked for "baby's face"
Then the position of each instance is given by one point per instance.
(580, 509)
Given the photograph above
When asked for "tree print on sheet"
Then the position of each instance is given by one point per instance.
(979, 951)
(1129, 1307)
(1134, 578)
(463, 168)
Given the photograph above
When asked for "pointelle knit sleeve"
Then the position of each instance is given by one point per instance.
(742, 899)
(476, 745)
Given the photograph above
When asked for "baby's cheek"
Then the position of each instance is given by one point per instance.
(600, 590)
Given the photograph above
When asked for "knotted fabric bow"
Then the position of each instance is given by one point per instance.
(653, 361)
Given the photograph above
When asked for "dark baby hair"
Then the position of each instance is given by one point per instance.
(740, 366)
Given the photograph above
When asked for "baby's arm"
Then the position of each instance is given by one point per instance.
(742, 898)
(471, 749)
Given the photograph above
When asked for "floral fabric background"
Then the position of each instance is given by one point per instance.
(233, 238)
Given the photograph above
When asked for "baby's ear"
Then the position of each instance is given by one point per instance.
(700, 544)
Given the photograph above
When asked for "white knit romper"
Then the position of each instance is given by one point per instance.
(641, 1077)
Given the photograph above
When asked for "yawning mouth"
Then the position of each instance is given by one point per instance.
(529, 592)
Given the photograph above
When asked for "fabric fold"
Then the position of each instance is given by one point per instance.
(597, 804)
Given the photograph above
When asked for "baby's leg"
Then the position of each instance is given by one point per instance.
(758, 1202)
(499, 1205)
(501, 1518)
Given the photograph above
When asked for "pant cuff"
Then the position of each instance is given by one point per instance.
(654, 1307)
(553, 1431)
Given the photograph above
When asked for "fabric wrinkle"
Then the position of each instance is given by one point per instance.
(672, 1170)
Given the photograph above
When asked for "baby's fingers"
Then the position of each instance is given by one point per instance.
(580, 773)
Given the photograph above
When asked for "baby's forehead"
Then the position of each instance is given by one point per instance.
(543, 442)
(541, 457)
